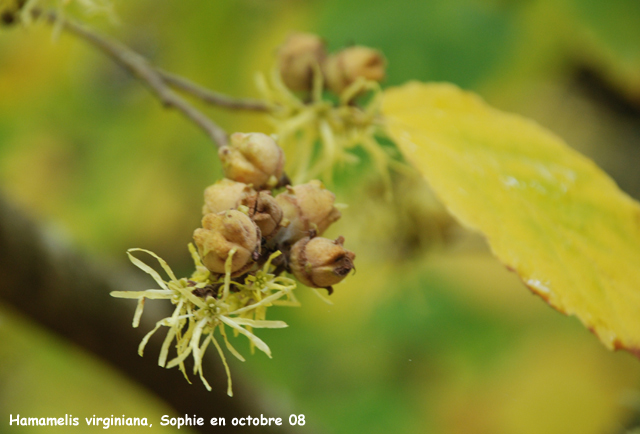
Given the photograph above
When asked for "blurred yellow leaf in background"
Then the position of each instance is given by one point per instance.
(548, 213)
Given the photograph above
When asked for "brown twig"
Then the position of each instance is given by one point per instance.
(158, 81)
(211, 97)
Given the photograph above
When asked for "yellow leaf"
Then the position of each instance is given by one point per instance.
(548, 213)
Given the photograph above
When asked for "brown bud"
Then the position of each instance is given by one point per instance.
(345, 67)
(308, 207)
(320, 262)
(222, 232)
(225, 194)
(298, 59)
(252, 158)
(265, 212)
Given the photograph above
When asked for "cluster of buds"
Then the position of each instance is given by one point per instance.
(243, 219)
(255, 227)
(304, 55)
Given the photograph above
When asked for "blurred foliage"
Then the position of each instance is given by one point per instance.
(418, 340)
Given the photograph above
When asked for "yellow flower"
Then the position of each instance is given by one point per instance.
(205, 304)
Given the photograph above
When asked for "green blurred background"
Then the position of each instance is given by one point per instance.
(425, 337)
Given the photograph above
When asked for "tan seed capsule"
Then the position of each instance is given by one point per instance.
(308, 207)
(222, 232)
(225, 194)
(261, 207)
(298, 59)
(265, 212)
(252, 158)
(320, 262)
(345, 67)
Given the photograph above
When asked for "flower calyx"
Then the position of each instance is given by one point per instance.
(266, 213)
(320, 262)
(253, 158)
(342, 69)
(299, 58)
(302, 59)
(225, 194)
(223, 233)
(308, 207)
(260, 206)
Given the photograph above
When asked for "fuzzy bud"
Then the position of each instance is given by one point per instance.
(345, 67)
(225, 194)
(320, 262)
(222, 232)
(308, 207)
(252, 158)
(298, 57)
